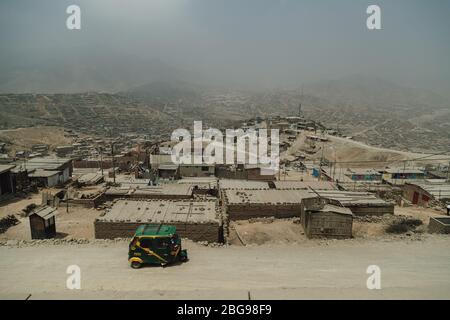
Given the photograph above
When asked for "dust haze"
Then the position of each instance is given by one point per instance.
(251, 44)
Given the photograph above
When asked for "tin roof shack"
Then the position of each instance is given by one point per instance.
(247, 204)
(439, 224)
(360, 203)
(44, 178)
(397, 176)
(6, 179)
(421, 193)
(20, 178)
(42, 223)
(50, 171)
(357, 174)
(328, 221)
(196, 220)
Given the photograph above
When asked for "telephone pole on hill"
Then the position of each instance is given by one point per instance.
(113, 163)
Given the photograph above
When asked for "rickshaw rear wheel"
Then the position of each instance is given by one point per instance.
(136, 264)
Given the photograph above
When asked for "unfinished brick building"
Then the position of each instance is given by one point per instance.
(196, 220)
(246, 204)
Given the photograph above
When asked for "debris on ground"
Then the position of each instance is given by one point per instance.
(7, 222)
(404, 225)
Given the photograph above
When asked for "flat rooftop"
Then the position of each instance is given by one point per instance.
(267, 196)
(404, 171)
(349, 198)
(172, 189)
(316, 185)
(225, 184)
(161, 211)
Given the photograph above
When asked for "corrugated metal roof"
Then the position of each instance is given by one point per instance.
(352, 197)
(5, 167)
(439, 190)
(45, 212)
(39, 173)
(45, 163)
(336, 209)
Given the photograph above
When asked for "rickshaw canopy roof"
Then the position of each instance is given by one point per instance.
(155, 230)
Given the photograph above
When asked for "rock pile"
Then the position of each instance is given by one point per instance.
(7, 222)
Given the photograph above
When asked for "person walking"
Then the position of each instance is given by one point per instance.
(448, 209)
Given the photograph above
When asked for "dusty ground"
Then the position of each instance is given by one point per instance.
(25, 138)
(261, 231)
(319, 270)
(77, 223)
(15, 205)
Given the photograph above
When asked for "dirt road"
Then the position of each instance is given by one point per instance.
(335, 270)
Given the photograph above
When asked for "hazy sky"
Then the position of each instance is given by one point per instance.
(233, 42)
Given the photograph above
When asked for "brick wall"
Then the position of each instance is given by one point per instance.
(372, 210)
(211, 232)
(327, 224)
(248, 211)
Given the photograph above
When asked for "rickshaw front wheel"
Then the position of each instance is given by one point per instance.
(136, 264)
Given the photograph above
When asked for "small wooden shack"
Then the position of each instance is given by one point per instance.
(328, 221)
(42, 223)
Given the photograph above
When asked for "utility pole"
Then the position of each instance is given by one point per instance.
(320, 164)
(113, 162)
(404, 169)
(67, 199)
(101, 160)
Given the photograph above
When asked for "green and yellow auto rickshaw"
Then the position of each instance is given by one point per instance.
(155, 244)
